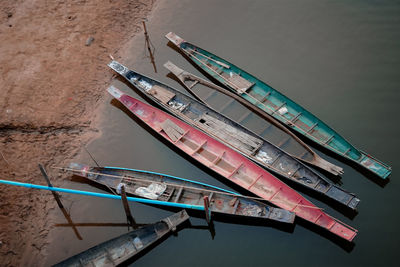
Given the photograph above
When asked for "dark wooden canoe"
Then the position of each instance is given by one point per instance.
(253, 118)
(230, 164)
(277, 105)
(120, 249)
(172, 189)
(233, 134)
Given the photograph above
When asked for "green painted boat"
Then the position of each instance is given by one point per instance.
(277, 105)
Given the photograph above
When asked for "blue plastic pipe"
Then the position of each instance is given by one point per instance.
(93, 194)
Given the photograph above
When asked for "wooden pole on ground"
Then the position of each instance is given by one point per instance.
(55, 194)
(208, 216)
(148, 45)
(206, 209)
(129, 216)
(57, 198)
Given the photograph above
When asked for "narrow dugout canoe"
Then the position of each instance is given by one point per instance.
(233, 135)
(230, 164)
(120, 249)
(278, 106)
(172, 189)
(252, 117)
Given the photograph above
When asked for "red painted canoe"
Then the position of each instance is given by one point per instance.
(230, 164)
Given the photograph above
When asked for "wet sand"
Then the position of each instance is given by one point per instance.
(53, 73)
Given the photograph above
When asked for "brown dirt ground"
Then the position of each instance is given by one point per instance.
(50, 85)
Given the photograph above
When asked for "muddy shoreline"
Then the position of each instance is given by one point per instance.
(53, 71)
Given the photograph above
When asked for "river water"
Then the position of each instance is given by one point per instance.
(338, 59)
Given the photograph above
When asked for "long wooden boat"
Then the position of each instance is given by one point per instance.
(120, 249)
(168, 188)
(230, 164)
(252, 117)
(277, 105)
(233, 134)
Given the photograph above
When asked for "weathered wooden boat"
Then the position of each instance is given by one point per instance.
(230, 164)
(252, 118)
(278, 106)
(168, 188)
(120, 249)
(233, 134)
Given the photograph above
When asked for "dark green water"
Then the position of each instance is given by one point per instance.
(339, 59)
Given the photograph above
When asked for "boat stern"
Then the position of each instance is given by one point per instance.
(115, 92)
(176, 219)
(374, 165)
(281, 215)
(174, 38)
(343, 231)
(118, 67)
(173, 68)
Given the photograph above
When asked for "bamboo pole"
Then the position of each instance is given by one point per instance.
(58, 200)
(128, 213)
(46, 177)
(148, 45)
(206, 209)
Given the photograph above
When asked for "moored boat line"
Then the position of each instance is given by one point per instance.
(230, 164)
(233, 134)
(277, 105)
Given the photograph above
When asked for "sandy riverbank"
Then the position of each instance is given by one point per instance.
(53, 73)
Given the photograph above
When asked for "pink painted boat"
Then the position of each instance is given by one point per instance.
(230, 164)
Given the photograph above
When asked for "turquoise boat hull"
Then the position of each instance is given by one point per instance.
(278, 106)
